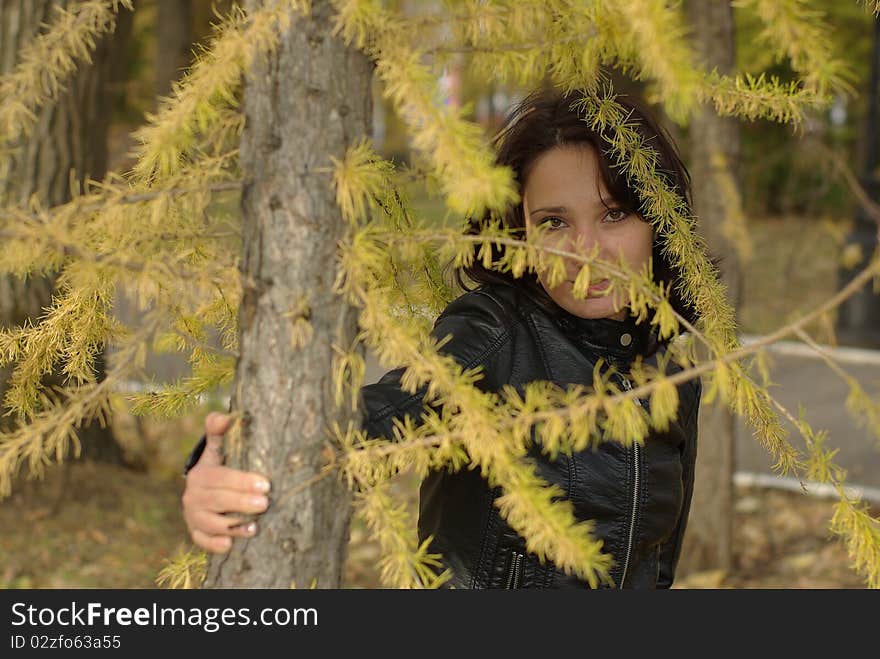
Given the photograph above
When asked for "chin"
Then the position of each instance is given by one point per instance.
(590, 308)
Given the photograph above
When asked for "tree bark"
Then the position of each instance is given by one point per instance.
(70, 135)
(174, 42)
(307, 101)
(709, 540)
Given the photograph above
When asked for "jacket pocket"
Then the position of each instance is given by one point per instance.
(514, 570)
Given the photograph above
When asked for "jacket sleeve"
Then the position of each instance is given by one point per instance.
(671, 549)
(479, 327)
(195, 454)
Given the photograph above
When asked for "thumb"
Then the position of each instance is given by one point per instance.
(216, 425)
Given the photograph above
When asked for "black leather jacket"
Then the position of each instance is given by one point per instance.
(638, 497)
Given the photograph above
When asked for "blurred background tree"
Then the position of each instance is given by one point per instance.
(787, 173)
(67, 145)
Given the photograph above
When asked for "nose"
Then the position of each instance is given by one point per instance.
(584, 241)
(584, 238)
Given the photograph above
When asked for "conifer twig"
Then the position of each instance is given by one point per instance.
(117, 197)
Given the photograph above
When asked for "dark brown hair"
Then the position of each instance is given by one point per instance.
(545, 120)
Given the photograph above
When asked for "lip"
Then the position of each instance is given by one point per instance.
(601, 286)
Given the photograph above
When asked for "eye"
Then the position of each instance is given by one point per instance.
(616, 214)
(552, 222)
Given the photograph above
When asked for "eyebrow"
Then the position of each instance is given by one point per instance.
(549, 209)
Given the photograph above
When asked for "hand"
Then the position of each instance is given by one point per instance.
(214, 494)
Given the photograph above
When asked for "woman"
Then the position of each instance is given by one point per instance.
(519, 331)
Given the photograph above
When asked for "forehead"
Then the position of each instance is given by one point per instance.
(566, 175)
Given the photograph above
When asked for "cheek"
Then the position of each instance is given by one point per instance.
(640, 244)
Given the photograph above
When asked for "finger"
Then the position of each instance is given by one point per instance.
(225, 501)
(224, 478)
(216, 424)
(244, 530)
(217, 544)
(214, 524)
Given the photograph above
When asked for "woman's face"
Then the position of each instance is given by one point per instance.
(565, 191)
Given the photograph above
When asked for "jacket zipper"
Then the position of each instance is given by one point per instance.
(515, 573)
(635, 499)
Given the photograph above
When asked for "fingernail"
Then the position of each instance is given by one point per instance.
(259, 502)
(262, 486)
(251, 528)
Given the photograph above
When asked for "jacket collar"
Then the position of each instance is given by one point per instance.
(617, 340)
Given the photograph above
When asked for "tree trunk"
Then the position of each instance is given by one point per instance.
(308, 101)
(714, 144)
(70, 134)
(174, 42)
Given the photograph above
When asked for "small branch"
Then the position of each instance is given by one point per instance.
(134, 198)
(75, 251)
(325, 471)
(846, 173)
(826, 356)
(534, 46)
(204, 346)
